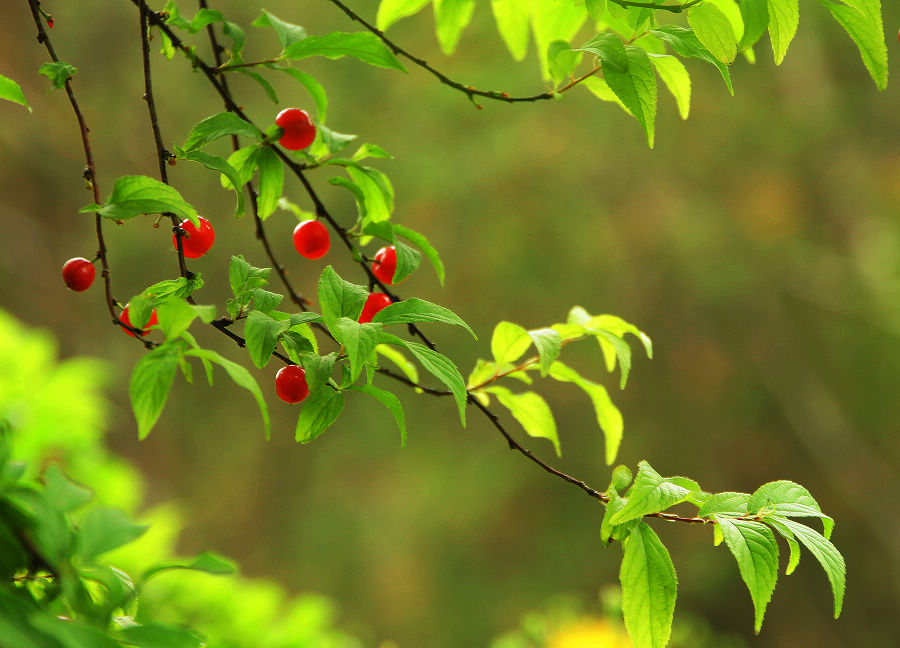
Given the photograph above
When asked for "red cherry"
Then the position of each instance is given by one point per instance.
(385, 264)
(311, 239)
(299, 131)
(374, 303)
(195, 242)
(127, 321)
(78, 273)
(290, 384)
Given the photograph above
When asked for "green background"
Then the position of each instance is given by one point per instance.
(758, 245)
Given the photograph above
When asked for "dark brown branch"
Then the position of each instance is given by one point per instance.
(469, 91)
(162, 155)
(89, 174)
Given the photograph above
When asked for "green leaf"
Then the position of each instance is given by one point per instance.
(552, 21)
(512, 21)
(339, 298)
(609, 49)
(171, 289)
(265, 301)
(151, 380)
(175, 316)
(63, 494)
(12, 91)
(793, 545)
(390, 401)
(562, 60)
(438, 366)
(862, 21)
(365, 46)
(754, 548)
(596, 8)
(730, 503)
(636, 88)
(714, 30)
(207, 562)
(789, 499)
(287, 33)
(422, 243)
(407, 261)
(390, 11)
(548, 343)
(359, 341)
(608, 416)
(216, 163)
(104, 529)
(686, 44)
(450, 18)
(318, 369)
(261, 333)
(217, 126)
(58, 72)
(784, 17)
(402, 363)
(243, 277)
(509, 342)
(267, 87)
(314, 88)
(826, 553)
(755, 14)
(531, 411)
(370, 151)
(46, 528)
(157, 635)
(319, 411)
(135, 195)
(330, 141)
(419, 310)
(676, 78)
(241, 378)
(649, 588)
(650, 493)
(243, 161)
(271, 181)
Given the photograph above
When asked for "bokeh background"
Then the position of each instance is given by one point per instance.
(758, 244)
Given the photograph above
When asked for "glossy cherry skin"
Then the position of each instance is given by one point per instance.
(195, 242)
(127, 321)
(311, 239)
(374, 303)
(290, 384)
(78, 273)
(299, 131)
(385, 264)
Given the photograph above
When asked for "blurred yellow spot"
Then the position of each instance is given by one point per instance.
(590, 633)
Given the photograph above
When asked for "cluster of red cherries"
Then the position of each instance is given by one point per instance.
(310, 237)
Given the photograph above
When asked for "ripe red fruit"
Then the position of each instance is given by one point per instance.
(385, 263)
(78, 273)
(311, 239)
(195, 242)
(374, 303)
(299, 131)
(290, 384)
(127, 321)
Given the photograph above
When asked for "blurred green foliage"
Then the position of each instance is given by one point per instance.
(758, 244)
(57, 590)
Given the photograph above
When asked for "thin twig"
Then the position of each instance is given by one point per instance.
(162, 155)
